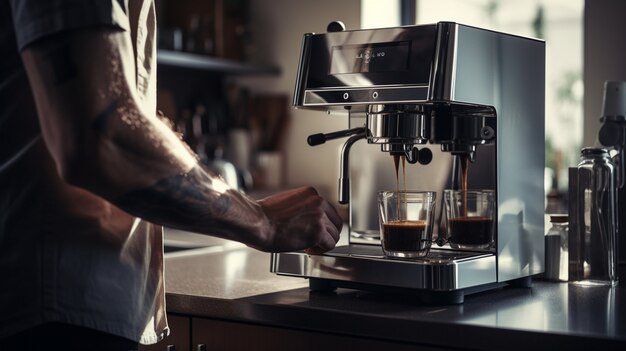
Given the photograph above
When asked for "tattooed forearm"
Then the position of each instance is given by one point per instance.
(187, 201)
(221, 205)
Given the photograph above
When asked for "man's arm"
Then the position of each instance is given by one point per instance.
(104, 141)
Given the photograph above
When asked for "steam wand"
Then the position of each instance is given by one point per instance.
(344, 179)
(321, 138)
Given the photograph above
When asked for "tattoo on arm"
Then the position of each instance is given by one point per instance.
(183, 198)
(221, 205)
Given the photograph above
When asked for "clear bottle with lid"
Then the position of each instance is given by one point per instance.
(593, 244)
(556, 249)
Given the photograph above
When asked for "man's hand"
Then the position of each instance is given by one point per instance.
(301, 219)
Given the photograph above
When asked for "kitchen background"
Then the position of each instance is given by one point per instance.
(232, 98)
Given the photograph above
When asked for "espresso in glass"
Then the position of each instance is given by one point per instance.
(406, 222)
(404, 235)
(470, 218)
(470, 231)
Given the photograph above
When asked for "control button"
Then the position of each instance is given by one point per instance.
(346, 96)
(375, 95)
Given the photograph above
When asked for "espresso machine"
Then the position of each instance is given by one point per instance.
(434, 94)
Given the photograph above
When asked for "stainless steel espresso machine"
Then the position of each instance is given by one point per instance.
(434, 94)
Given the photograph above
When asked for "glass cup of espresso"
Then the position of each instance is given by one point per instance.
(406, 222)
(470, 218)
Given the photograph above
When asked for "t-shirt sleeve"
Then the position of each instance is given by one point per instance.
(37, 19)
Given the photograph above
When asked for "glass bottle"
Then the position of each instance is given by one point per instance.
(593, 244)
(556, 249)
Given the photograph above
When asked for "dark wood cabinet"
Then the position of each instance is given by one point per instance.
(204, 334)
(218, 335)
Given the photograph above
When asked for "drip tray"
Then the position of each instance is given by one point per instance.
(435, 256)
(441, 270)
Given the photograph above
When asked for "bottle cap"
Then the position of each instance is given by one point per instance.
(559, 218)
(593, 151)
(614, 100)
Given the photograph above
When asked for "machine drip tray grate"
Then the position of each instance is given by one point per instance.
(434, 256)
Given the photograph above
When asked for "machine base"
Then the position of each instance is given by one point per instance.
(443, 277)
(429, 297)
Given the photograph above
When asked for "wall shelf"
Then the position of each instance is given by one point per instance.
(204, 63)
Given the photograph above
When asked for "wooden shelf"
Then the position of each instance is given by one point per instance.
(210, 64)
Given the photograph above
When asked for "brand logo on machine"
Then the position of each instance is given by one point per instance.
(368, 55)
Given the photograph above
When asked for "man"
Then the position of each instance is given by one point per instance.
(82, 157)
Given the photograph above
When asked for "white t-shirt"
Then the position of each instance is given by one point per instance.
(67, 255)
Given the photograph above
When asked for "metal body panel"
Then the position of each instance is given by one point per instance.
(507, 72)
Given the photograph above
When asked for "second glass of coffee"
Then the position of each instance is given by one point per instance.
(470, 218)
(406, 222)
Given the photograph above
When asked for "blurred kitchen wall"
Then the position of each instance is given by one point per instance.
(604, 57)
(277, 27)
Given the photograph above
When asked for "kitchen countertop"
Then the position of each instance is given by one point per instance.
(233, 282)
